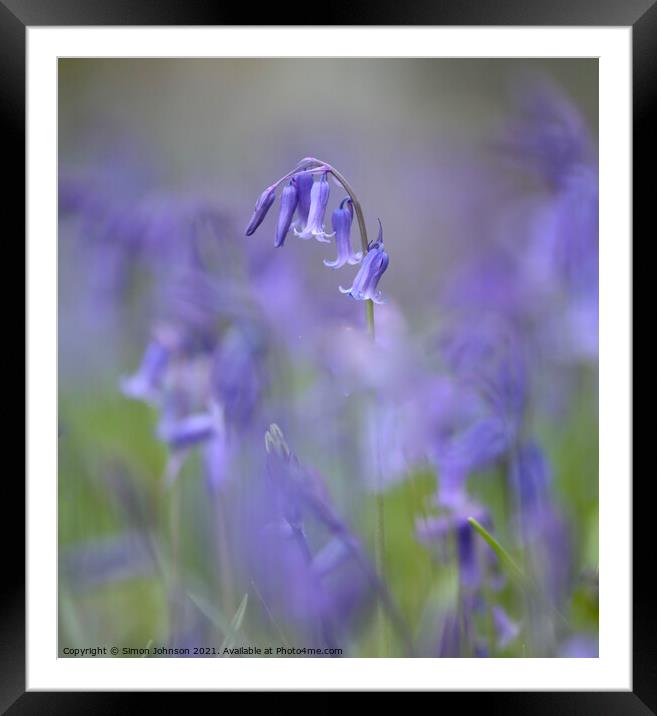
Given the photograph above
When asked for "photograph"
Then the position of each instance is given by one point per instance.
(327, 357)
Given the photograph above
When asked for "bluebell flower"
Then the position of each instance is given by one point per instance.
(440, 530)
(146, 383)
(550, 135)
(507, 630)
(262, 206)
(341, 220)
(238, 374)
(374, 264)
(540, 527)
(289, 201)
(304, 184)
(185, 432)
(319, 196)
(530, 479)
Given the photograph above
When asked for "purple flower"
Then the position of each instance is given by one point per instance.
(488, 356)
(439, 530)
(238, 375)
(261, 208)
(341, 220)
(507, 630)
(550, 135)
(289, 201)
(373, 267)
(541, 528)
(304, 183)
(187, 431)
(319, 196)
(530, 478)
(145, 384)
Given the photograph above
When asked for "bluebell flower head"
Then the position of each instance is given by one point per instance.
(374, 264)
(145, 384)
(289, 201)
(342, 219)
(319, 196)
(304, 184)
(262, 206)
(188, 431)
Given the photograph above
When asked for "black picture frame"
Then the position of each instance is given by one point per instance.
(17, 15)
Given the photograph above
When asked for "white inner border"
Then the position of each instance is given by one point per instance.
(612, 670)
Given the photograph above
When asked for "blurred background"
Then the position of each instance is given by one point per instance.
(185, 519)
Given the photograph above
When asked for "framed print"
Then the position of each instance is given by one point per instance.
(329, 354)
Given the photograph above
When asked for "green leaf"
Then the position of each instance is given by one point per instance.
(512, 566)
(235, 624)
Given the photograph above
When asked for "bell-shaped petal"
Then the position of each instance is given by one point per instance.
(304, 184)
(262, 206)
(319, 196)
(342, 219)
(374, 264)
(289, 201)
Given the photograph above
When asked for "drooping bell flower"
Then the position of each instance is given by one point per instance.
(289, 201)
(371, 269)
(187, 431)
(319, 196)
(145, 384)
(304, 183)
(341, 220)
(262, 206)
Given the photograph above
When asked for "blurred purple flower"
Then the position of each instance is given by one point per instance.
(190, 430)
(238, 375)
(146, 383)
(541, 529)
(453, 526)
(506, 629)
(549, 134)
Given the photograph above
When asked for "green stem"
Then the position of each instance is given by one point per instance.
(380, 546)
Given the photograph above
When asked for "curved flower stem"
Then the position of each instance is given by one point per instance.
(362, 229)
